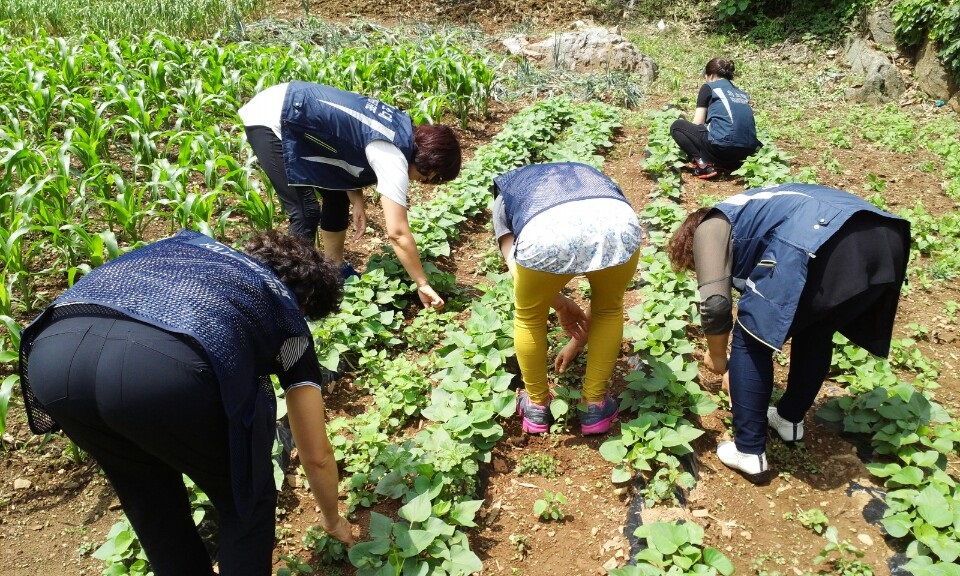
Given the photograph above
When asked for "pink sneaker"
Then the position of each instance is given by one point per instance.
(599, 416)
(536, 417)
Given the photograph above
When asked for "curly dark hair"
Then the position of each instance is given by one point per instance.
(437, 150)
(721, 67)
(680, 247)
(314, 279)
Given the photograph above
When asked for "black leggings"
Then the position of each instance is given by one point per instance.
(300, 202)
(694, 140)
(146, 405)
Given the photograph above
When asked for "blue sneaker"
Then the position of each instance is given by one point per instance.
(598, 416)
(347, 271)
(536, 417)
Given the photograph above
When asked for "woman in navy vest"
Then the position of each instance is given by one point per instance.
(808, 261)
(553, 222)
(158, 364)
(723, 132)
(313, 139)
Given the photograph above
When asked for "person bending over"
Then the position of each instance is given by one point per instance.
(808, 261)
(314, 139)
(553, 222)
(158, 365)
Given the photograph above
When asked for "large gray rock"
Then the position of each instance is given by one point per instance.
(880, 24)
(882, 81)
(934, 79)
(588, 49)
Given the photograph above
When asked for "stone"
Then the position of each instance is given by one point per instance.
(882, 80)
(933, 78)
(611, 564)
(21, 484)
(587, 49)
(880, 24)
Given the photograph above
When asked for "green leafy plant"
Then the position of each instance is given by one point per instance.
(673, 548)
(324, 546)
(294, 566)
(420, 543)
(814, 519)
(522, 544)
(843, 557)
(537, 464)
(122, 552)
(769, 165)
(550, 507)
(916, 20)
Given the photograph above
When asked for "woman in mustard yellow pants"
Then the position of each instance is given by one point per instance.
(553, 222)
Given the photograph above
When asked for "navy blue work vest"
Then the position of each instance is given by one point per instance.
(325, 132)
(776, 231)
(730, 117)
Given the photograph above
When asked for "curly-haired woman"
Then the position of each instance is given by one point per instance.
(158, 365)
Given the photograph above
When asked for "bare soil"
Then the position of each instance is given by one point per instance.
(56, 511)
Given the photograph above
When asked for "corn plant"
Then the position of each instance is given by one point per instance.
(129, 212)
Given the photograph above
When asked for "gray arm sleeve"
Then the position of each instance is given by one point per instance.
(501, 225)
(713, 259)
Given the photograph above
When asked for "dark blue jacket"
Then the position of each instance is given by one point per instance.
(776, 231)
(325, 132)
(730, 117)
(529, 190)
(232, 305)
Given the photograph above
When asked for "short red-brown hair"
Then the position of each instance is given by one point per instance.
(437, 151)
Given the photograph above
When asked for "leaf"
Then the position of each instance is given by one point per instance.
(463, 513)
(908, 476)
(666, 537)
(621, 474)
(613, 450)
(416, 510)
(558, 408)
(716, 559)
(934, 508)
(463, 561)
(413, 542)
(897, 525)
(380, 526)
(364, 553)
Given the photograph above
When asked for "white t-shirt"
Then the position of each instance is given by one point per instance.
(386, 160)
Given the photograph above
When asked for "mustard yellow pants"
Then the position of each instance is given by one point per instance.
(533, 293)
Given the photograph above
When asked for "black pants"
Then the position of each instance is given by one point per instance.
(300, 202)
(147, 406)
(694, 140)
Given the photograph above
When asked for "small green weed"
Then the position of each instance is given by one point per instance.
(814, 519)
(294, 566)
(537, 464)
(550, 507)
(842, 556)
(522, 545)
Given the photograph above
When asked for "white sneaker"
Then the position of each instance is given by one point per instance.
(752, 466)
(787, 430)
